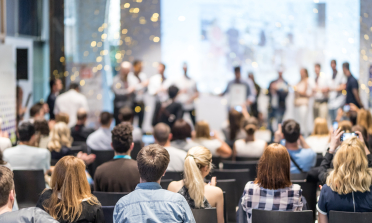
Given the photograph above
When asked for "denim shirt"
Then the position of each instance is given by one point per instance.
(150, 203)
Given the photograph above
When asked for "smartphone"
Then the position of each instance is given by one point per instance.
(346, 108)
(347, 135)
(238, 108)
(335, 125)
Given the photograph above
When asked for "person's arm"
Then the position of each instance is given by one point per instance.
(303, 142)
(357, 98)
(339, 88)
(322, 218)
(278, 135)
(226, 90)
(219, 207)
(224, 150)
(245, 112)
(251, 92)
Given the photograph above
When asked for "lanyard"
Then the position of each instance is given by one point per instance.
(122, 157)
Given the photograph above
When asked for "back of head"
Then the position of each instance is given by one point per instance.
(126, 114)
(41, 126)
(105, 118)
(351, 172)
(250, 125)
(320, 127)
(345, 126)
(161, 133)
(291, 130)
(82, 114)
(152, 161)
(75, 86)
(35, 109)
(69, 187)
(235, 119)
(63, 117)
(364, 119)
(122, 137)
(202, 130)
(172, 91)
(26, 131)
(273, 170)
(59, 136)
(6, 185)
(181, 130)
(346, 65)
(197, 158)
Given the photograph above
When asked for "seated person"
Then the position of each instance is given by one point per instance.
(7, 200)
(42, 133)
(120, 174)
(250, 146)
(149, 202)
(349, 184)
(101, 138)
(62, 117)
(214, 143)
(70, 199)
(234, 130)
(197, 193)
(319, 139)
(163, 137)
(272, 189)
(60, 141)
(36, 112)
(181, 130)
(126, 115)
(79, 132)
(25, 156)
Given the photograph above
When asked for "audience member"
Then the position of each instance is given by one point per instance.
(120, 174)
(234, 130)
(42, 133)
(70, 102)
(62, 117)
(55, 89)
(348, 186)
(101, 138)
(361, 129)
(70, 199)
(36, 112)
(319, 139)
(25, 156)
(163, 137)
(272, 189)
(126, 115)
(8, 199)
(181, 131)
(60, 141)
(3, 163)
(149, 202)
(197, 193)
(250, 146)
(345, 126)
(214, 143)
(364, 119)
(79, 132)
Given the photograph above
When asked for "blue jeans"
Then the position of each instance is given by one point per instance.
(276, 113)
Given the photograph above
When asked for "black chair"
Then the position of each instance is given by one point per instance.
(29, 184)
(262, 216)
(343, 217)
(164, 183)
(137, 147)
(308, 190)
(251, 165)
(216, 161)
(108, 212)
(109, 198)
(53, 162)
(246, 159)
(102, 156)
(229, 187)
(176, 176)
(205, 215)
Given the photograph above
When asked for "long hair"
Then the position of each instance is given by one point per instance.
(320, 127)
(69, 188)
(59, 136)
(202, 130)
(364, 119)
(351, 172)
(273, 171)
(197, 158)
(235, 119)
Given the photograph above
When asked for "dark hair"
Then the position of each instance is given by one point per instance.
(307, 73)
(181, 130)
(6, 184)
(235, 120)
(52, 82)
(250, 125)
(82, 115)
(318, 65)
(152, 162)
(162, 65)
(26, 131)
(291, 130)
(136, 62)
(74, 86)
(346, 65)
(161, 132)
(62, 117)
(35, 109)
(236, 69)
(41, 126)
(105, 118)
(334, 61)
(122, 138)
(172, 91)
(125, 114)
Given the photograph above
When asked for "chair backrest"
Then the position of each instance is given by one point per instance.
(164, 183)
(176, 176)
(308, 190)
(108, 212)
(109, 198)
(102, 156)
(251, 165)
(216, 161)
(262, 216)
(229, 187)
(239, 158)
(29, 184)
(205, 215)
(137, 147)
(343, 217)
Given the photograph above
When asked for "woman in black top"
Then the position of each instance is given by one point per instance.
(60, 141)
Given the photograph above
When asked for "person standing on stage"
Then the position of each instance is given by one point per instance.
(55, 89)
(336, 86)
(320, 94)
(159, 85)
(187, 93)
(254, 106)
(352, 87)
(138, 80)
(123, 92)
(278, 92)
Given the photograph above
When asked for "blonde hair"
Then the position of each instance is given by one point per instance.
(59, 136)
(202, 130)
(345, 126)
(320, 127)
(197, 158)
(62, 117)
(351, 172)
(364, 119)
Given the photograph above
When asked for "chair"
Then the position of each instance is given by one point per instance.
(29, 184)
(308, 190)
(246, 159)
(205, 215)
(229, 187)
(216, 161)
(176, 176)
(262, 216)
(164, 183)
(109, 198)
(251, 165)
(102, 156)
(137, 147)
(108, 212)
(343, 217)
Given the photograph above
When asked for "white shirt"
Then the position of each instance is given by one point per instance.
(318, 144)
(183, 83)
(70, 102)
(5, 143)
(177, 159)
(252, 88)
(252, 149)
(100, 139)
(211, 144)
(139, 88)
(323, 82)
(23, 157)
(159, 88)
(137, 134)
(336, 99)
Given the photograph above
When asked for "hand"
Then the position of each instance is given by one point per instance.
(335, 140)
(88, 159)
(353, 107)
(278, 135)
(213, 181)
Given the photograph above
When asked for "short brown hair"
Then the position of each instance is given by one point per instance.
(161, 132)
(6, 184)
(62, 117)
(181, 130)
(273, 171)
(152, 162)
(121, 137)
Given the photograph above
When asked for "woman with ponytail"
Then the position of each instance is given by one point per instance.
(198, 164)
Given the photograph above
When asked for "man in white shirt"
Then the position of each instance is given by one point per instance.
(101, 138)
(159, 85)
(320, 93)
(25, 156)
(36, 112)
(336, 85)
(70, 102)
(163, 137)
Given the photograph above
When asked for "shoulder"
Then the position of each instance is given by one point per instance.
(175, 186)
(251, 186)
(215, 190)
